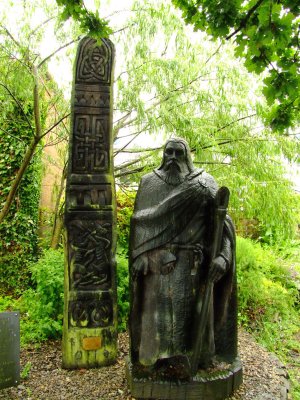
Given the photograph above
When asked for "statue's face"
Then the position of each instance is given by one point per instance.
(175, 164)
(175, 154)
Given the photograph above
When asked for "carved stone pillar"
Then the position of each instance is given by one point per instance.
(90, 314)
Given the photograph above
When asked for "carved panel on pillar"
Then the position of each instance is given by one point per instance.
(90, 317)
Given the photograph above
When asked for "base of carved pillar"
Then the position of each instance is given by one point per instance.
(89, 348)
(206, 385)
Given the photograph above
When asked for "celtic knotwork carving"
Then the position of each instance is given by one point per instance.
(90, 154)
(94, 62)
(90, 249)
(89, 211)
(91, 313)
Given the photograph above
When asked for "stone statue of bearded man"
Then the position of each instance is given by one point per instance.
(170, 265)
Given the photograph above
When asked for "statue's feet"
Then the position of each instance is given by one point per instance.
(207, 362)
(143, 371)
(173, 368)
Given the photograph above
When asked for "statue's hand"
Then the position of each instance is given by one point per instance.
(167, 268)
(217, 269)
(140, 266)
(198, 253)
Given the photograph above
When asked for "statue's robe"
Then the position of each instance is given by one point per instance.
(169, 226)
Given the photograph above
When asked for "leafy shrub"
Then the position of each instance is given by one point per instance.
(18, 249)
(125, 203)
(269, 300)
(268, 295)
(42, 307)
(123, 289)
(15, 275)
(18, 232)
(7, 303)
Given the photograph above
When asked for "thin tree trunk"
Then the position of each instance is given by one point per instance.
(14, 187)
(56, 234)
(30, 150)
(58, 214)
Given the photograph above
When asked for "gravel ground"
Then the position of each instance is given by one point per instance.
(264, 377)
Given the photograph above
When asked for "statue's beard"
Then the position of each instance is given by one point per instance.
(173, 173)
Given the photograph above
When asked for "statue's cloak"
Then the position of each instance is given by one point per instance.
(182, 216)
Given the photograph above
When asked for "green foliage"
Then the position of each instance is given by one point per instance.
(267, 37)
(267, 291)
(26, 370)
(269, 299)
(7, 303)
(18, 232)
(207, 97)
(89, 22)
(26, 103)
(270, 201)
(122, 288)
(42, 307)
(125, 202)
(15, 273)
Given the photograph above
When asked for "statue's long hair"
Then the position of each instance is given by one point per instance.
(188, 157)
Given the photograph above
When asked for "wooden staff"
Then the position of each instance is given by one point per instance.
(221, 204)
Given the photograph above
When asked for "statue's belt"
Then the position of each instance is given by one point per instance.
(163, 260)
(169, 252)
(177, 246)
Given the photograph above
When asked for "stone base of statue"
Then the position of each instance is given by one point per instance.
(210, 384)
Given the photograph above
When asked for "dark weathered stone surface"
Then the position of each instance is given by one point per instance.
(90, 279)
(9, 349)
(183, 315)
(206, 385)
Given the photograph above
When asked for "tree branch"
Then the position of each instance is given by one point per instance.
(56, 142)
(134, 69)
(57, 50)
(36, 105)
(134, 171)
(18, 104)
(212, 55)
(245, 19)
(20, 173)
(179, 88)
(12, 56)
(227, 141)
(154, 105)
(123, 29)
(132, 151)
(119, 124)
(130, 141)
(124, 120)
(55, 125)
(54, 105)
(129, 163)
(40, 26)
(10, 134)
(233, 122)
(10, 35)
(211, 162)
(124, 136)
